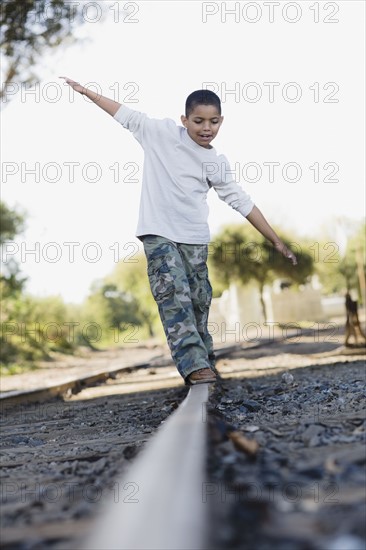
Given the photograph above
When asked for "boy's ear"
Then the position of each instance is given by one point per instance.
(183, 119)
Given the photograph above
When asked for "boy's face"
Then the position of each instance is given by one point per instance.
(203, 124)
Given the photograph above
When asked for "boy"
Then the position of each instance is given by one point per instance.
(179, 170)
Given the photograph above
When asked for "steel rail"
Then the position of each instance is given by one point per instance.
(165, 510)
(77, 383)
(72, 384)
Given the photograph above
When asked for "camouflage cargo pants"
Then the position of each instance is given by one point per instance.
(178, 277)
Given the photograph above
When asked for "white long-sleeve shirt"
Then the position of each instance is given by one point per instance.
(177, 175)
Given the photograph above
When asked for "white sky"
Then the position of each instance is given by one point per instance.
(167, 53)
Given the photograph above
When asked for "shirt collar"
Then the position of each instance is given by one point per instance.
(194, 145)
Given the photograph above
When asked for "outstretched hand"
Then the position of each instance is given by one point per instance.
(281, 247)
(108, 105)
(75, 85)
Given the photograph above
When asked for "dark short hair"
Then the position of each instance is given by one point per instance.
(202, 97)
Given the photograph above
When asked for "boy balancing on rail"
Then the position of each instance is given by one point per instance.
(178, 173)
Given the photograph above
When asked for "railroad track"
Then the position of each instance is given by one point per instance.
(74, 385)
(181, 438)
(128, 473)
(168, 477)
(161, 490)
(166, 511)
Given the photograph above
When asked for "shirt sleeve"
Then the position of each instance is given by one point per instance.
(220, 177)
(145, 129)
(132, 120)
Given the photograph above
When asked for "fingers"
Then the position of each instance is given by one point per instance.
(69, 80)
(294, 261)
(288, 254)
(292, 257)
(74, 85)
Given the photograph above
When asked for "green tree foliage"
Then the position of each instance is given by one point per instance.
(34, 328)
(122, 304)
(326, 258)
(240, 253)
(353, 265)
(30, 28)
(113, 311)
(131, 277)
(31, 328)
(11, 224)
(11, 283)
(340, 270)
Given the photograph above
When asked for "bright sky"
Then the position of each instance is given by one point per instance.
(151, 56)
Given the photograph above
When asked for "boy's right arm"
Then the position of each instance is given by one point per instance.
(108, 105)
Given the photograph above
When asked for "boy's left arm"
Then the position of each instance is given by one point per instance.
(231, 193)
(256, 218)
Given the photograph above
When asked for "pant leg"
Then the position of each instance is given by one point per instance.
(170, 288)
(195, 262)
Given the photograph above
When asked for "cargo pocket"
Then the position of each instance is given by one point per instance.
(161, 280)
(204, 288)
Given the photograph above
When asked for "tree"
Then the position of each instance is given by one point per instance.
(132, 277)
(352, 266)
(23, 317)
(108, 309)
(341, 268)
(241, 254)
(11, 224)
(30, 28)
